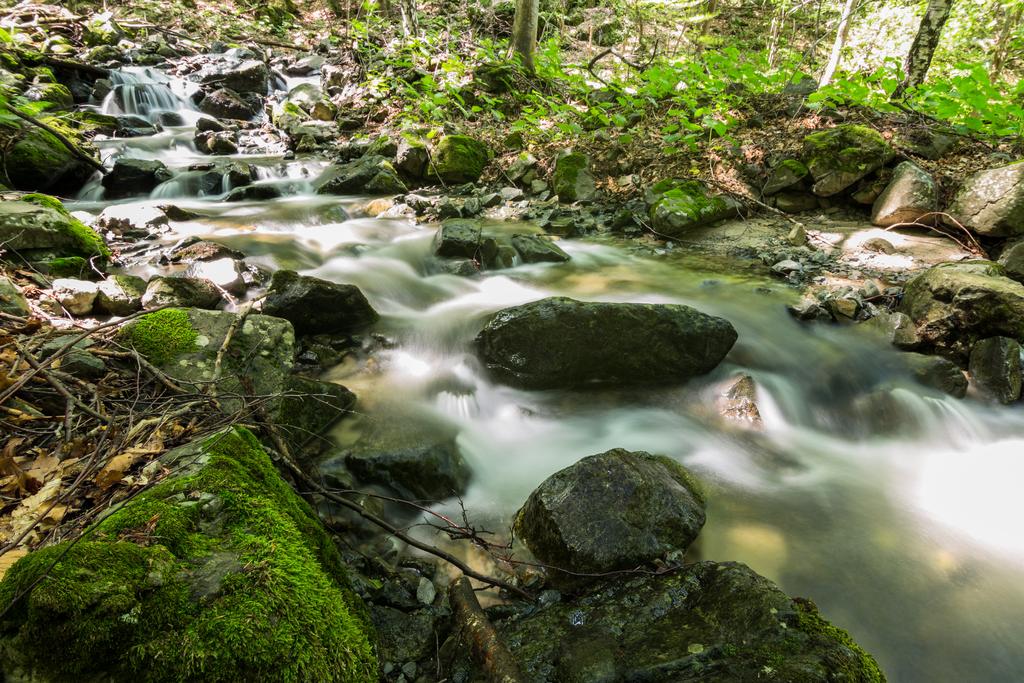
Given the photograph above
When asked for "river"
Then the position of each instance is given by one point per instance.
(893, 507)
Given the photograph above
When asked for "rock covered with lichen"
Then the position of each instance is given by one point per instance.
(839, 157)
(708, 621)
(256, 362)
(991, 202)
(612, 511)
(218, 573)
(37, 227)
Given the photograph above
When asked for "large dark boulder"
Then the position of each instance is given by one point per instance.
(708, 622)
(250, 76)
(131, 177)
(616, 510)
(996, 368)
(225, 103)
(316, 306)
(562, 343)
(35, 160)
(953, 305)
(459, 159)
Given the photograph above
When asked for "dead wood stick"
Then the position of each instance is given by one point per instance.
(486, 646)
(97, 71)
(60, 136)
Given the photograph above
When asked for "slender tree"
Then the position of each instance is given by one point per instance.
(915, 66)
(524, 32)
(837, 47)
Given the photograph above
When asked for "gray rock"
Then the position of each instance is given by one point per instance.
(30, 228)
(910, 196)
(616, 510)
(560, 343)
(225, 103)
(679, 206)
(75, 296)
(11, 299)
(954, 305)
(316, 306)
(537, 249)
(784, 175)
(411, 158)
(417, 461)
(228, 274)
(120, 294)
(458, 238)
(938, 373)
(372, 174)
(131, 177)
(995, 367)
(250, 76)
(795, 202)
(193, 249)
(186, 292)
(786, 267)
(1012, 259)
(991, 202)
(710, 622)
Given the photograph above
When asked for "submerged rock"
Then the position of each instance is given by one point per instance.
(991, 202)
(708, 622)
(616, 510)
(561, 343)
(909, 197)
(995, 367)
(938, 373)
(738, 403)
(316, 306)
(414, 461)
(839, 157)
(220, 571)
(953, 305)
(134, 177)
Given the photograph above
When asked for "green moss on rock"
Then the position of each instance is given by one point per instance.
(68, 266)
(163, 335)
(839, 157)
(572, 180)
(54, 231)
(810, 621)
(220, 573)
(685, 205)
(459, 159)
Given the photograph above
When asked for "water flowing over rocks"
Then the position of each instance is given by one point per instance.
(316, 306)
(563, 343)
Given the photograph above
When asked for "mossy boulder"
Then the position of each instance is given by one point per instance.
(991, 202)
(710, 622)
(38, 227)
(784, 175)
(996, 368)
(371, 174)
(611, 511)
(218, 573)
(561, 343)
(459, 159)
(11, 299)
(538, 249)
(953, 305)
(679, 206)
(51, 96)
(36, 160)
(839, 157)
(572, 180)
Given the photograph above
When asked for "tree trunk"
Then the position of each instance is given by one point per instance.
(410, 27)
(915, 66)
(1001, 50)
(524, 32)
(837, 46)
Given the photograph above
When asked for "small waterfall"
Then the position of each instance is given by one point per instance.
(146, 94)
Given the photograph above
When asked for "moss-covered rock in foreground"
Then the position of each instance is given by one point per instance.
(219, 573)
(707, 622)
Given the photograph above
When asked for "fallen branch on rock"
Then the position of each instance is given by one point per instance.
(60, 136)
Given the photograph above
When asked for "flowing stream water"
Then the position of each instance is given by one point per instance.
(892, 506)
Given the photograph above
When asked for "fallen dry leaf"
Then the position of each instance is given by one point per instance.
(8, 559)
